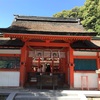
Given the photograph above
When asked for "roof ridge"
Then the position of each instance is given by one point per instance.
(42, 18)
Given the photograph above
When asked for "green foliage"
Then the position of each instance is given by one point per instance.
(89, 14)
(62, 14)
(97, 26)
(67, 13)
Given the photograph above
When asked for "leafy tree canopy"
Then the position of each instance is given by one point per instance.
(89, 14)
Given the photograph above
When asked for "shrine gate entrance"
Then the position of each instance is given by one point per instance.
(48, 56)
(49, 63)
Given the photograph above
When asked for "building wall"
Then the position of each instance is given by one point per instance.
(84, 53)
(91, 73)
(10, 51)
(92, 79)
(8, 78)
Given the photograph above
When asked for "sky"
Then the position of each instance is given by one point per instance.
(47, 8)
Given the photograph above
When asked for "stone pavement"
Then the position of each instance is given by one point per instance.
(38, 94)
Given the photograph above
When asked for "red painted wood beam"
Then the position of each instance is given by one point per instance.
(98, 63)
(71, 67)
(47, 44)
(46, 37)
(10, 55)
(85, 57)
(22, 66)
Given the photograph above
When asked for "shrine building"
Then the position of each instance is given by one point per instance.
(48, 52)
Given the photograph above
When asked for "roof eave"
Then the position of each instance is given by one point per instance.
(10, 30)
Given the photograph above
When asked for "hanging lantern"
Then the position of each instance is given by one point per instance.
(55, 54)
(38, 53)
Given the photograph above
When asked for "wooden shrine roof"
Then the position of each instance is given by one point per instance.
(11, 43)
(84, 44)
(46, 25)
(78, 44)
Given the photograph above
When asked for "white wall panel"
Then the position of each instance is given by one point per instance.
(92, 80)
(10, 51)
(9, 78)
(83, 53)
